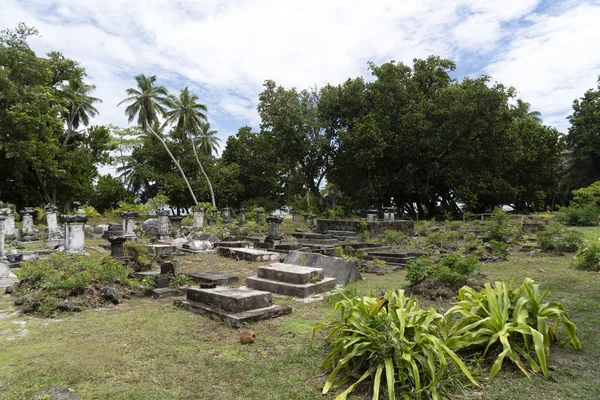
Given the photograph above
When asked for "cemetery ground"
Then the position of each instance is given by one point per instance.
(152, 349)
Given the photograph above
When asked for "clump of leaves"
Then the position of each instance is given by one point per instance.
(588, 256)
(388, 337)
(513, 320)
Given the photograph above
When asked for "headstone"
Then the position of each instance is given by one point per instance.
(259, 214)
(129, 223)
(74, 233)
(242, 216)
(163, 223)
(225, 214)
(372, 214)
(55, 237)
(198, 216)
(116, 246)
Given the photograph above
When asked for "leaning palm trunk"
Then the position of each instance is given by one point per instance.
(210, 188)
(176, 163)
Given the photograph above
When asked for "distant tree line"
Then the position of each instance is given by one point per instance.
(433, 143)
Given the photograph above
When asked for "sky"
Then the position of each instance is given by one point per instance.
(225, 50)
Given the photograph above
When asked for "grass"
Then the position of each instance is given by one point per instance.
(149, 349)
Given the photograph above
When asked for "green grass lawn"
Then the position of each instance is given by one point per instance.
(149, 349)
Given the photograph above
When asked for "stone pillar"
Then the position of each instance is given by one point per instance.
(176, 222)
(163, 223)
(372, 214)
(295, 216)
(116, 247)
(388, 214)
(243, 216)
(225, 214)
(198, 216)
(55, 237)
(274, 230)
(259, 214)
(74, 233)
(129, 223)
(27, 218)
(306, 218)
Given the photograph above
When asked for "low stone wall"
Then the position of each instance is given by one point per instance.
(375, 227)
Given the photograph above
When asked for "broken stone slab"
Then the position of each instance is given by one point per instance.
(289, 273)
(213, 278)
(344, 271)
(248, 254)
(291, 289)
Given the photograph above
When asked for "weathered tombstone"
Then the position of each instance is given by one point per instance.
(129, 223)
(242, 216)
(274, 230)
(74, 233)
(27, 231)
(388, 213)
(259, 214)
(55, 237)
(225, 214)
(176, 222)
(198, 216)
(116, 246)
(372, 214)
(163, 223)
(306, 218)
(295, 216)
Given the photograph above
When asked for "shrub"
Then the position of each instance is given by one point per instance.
(418, 269)
(588, 256)
(389, 337)
(510, 320)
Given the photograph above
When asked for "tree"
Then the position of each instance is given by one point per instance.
(186, 114)
(148, 103)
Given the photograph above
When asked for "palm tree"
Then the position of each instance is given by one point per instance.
(147, 102)
(187, 116)
(81, 105)
(209, 142)
(523, 108)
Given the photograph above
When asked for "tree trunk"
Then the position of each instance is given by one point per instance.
(210, 188)
(176, 163)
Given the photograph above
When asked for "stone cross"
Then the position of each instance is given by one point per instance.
(129, 223)
(259, 214)
(74, 233)
(198, 216)
(372, 214)
(242, 216)
(163, 223)
(225, 215)
(27, 217)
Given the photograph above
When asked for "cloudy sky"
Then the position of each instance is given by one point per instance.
(225, 50)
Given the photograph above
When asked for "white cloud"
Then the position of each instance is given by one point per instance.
(226, 49)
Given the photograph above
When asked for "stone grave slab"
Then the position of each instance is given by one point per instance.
(344, 271)
(248, 254)
(213, 278)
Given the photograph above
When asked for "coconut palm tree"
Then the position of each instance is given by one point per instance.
(148, 102)
(81, 105)
(187, 115)
(208, 140)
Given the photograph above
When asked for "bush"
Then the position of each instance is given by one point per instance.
(588, 256)
(389, 337)
(418, 269)
(509, 322)
(579, 215)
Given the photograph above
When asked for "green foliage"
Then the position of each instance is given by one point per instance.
(513, 321)
(418, 269)
(180, 280)
(389, 340)
(588, 256)
(558, 238)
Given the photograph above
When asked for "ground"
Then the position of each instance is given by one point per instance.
(150, 349)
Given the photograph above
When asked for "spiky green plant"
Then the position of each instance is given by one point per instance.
(512, 319)
(390, 337)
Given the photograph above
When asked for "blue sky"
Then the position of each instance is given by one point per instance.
(224, 50)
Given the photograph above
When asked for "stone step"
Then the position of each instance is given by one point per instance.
(236, 320)
(290, 289)
(290, 273)
(248, 254)
(233, 300)
(308, 235)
